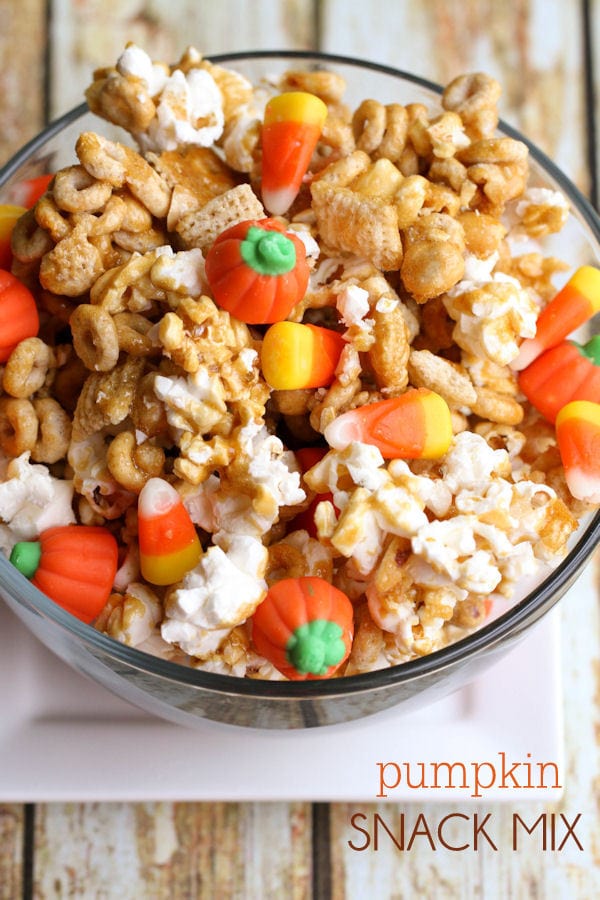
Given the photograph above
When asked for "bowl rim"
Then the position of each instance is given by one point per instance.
(509, 624)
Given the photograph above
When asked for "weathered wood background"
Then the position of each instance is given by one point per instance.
(546, 53)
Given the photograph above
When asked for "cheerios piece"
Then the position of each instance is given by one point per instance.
(72, 266)
(27, 367)
(18, 426)
(474, 97)
(120, 165)
(54, 431)
(75, 190)
(95, 337)
(132, 464)
(28, 240)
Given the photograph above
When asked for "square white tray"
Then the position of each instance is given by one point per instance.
(64, 738)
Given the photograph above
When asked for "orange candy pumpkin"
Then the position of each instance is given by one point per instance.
(74, 565)
(305, 627)
(257, 271)
(18, 314)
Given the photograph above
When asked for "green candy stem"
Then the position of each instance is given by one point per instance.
(268, 252)
(25, 556)
(315, 646)
(591, 349)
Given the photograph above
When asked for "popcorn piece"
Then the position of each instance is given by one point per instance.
(31, 500)
(182, 105)
(136, 62)
(471, 462)
(194, 403)
(541, 211)
(222, 591)
(491, 315)
(181, 272)
(353, 306)
(134, 618)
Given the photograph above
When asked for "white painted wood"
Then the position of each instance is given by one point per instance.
(22, 41)
(129, 851)
(533, 48)
(92, 33)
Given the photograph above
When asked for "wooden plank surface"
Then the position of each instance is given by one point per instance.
(592, 9)
(22, 72)
(11, 850)
(178, 850)
(92, 33)
(535, 48)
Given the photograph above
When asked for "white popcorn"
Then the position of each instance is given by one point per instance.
(189, 105)
(197, 398)
(536, 196)
(248, 358)
(396, 618)
(353, 304)
(317, 556)
(376, 507)
(349, 365)
(311, 247)
(197, 93)
(182, 272)
(31, 500)
(192, 639)
(269, 466)
(222, 591)
(450, 547)
(139, 613)
(476, 273)
(135, 61)
(490, 322)
(358, 534)
(470, 462)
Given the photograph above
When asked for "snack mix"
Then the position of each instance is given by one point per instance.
(275, 359)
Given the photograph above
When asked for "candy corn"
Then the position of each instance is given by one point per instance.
(574, 304)
(578, 436)
(569, 371)
(415, 425)
(8, 216)
(292, 126)
(294, 356)
(169, 545)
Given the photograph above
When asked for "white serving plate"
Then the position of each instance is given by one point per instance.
(64, 738)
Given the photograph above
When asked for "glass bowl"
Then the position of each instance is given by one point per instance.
(187, 696)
